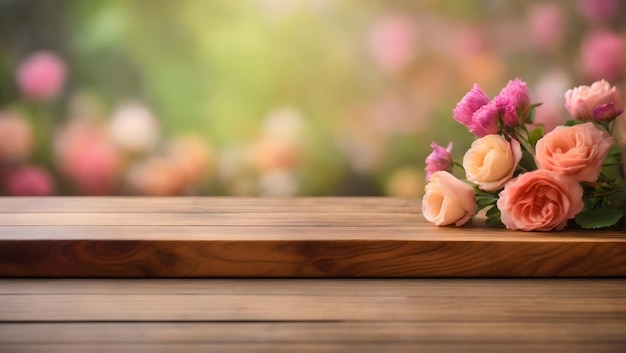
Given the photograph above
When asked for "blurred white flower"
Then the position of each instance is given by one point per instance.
(550, 90)
(284, 124)
(278, 183)
(134, 128)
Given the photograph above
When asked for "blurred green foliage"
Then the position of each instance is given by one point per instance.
(220, 68)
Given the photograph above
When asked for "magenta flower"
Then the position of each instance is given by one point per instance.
(439, 159)
(469, 104)
(485, 120)
(514, 97)
(507, 111)
(41, 76)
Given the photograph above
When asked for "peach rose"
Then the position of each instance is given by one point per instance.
(577, 151)
(540, 200)
(448, 200)
(598, 102)
(491, 161)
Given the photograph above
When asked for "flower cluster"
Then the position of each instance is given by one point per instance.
(526, 178)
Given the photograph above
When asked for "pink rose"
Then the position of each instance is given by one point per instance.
(577, 151)
(448, 200)
(491, 161)
(540, 200)
(600, 102)
(41, 76)
(439, 159)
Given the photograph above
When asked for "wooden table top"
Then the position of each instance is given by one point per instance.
(299, 237)
(312, 315)
(328, 237)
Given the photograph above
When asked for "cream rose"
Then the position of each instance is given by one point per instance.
(491, 161)
(577, 151)
(448, 200)
(598, 102)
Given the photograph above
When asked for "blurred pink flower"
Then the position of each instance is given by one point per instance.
(598, 10)
(439, 159)
(16, 138)
(604, 55)
(466, 41)
(394, 115)
(88, 159)
(28, 181)
(392, 43)
(546, 22)
(41, 76)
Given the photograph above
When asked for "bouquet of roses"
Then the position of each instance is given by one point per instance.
(525, 178)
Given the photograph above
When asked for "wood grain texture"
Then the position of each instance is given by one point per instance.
(302, 237)
(321, 315)
(314, 348)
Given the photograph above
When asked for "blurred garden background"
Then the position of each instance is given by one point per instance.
(272, 97)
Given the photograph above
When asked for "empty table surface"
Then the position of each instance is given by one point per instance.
(175, 275)
(312, 315)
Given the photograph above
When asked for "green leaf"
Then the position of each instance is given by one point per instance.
(493, 217)
(527, 162)
(617, 196)
(483, 202)
(601, 217)
(531, 115)
(536, 135)
(572, 122)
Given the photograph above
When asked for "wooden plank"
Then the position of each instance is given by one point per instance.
(315, 332)
(316, 347)
(120, 204)
(259, 240)
(435, 315)
(457, 288)
(406, 231)
(199, 219)
(66, 308)
(309, 258)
